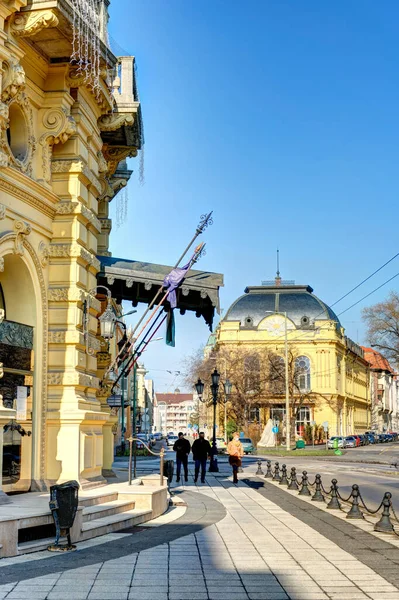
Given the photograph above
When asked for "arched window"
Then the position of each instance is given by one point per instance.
(252, 373)
(302, 373)
(276, 374)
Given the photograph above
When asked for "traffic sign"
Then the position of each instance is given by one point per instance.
(195, 427)
(189, 426)
(241, 434)
(275, 429)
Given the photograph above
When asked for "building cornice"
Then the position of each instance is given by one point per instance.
(26, 189)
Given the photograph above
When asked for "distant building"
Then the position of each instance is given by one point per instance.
(384, 389)
(173, 411)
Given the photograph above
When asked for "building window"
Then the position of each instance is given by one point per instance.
(302, 373)
(254, 415)
(302, 419)
(252, 373)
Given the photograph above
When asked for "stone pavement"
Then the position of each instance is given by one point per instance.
(255, 551)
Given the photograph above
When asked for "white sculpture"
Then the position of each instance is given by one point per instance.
(267, 440)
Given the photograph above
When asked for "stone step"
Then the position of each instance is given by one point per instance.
(113, 523)
(97, 498)
(97, 511)
(36, 545)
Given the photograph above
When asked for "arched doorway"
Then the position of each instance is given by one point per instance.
(18, 299)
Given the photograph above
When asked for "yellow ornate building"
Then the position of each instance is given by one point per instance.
(330, 374)
(69, 118)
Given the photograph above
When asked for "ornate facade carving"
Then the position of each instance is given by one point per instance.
(2, 212)
(65, 166)
(115, 121)
(59, 125)
(114, 154)
(129, 282)
(30, 23)
(73, 208)
(21, 229)
(103, 96)
(30, 199)
(66, 294)
(13, 79)
(73, 251)
(23, 160)
(1, 265)
(73, 378)
(43, 254)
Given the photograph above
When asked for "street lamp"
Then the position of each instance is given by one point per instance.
(227, 392)
(199, 386)
(106, 319)
(287, 392)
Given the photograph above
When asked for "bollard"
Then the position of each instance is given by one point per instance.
(276, 475)
(293, 482)
(259, 471)
(384, 525)
(283, 479)
(334, 502)
(269, 472)
(355, 512)
(304, 491)
(318, 496)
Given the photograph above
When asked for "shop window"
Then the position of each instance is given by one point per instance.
(302, 419)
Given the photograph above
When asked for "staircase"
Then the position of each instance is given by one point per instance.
(100, 512)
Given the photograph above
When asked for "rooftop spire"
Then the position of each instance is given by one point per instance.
(278, 278)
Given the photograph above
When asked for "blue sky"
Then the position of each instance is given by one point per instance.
(281, 117)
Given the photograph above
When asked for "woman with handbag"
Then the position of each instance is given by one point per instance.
(235, 452)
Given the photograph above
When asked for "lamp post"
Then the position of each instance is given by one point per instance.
(199, 386)
(287, 390)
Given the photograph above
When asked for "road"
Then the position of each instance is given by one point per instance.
(374, 479)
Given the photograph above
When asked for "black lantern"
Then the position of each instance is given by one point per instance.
(215, 378)
(199, 386)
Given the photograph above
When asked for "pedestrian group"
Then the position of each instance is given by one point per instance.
(202, 450)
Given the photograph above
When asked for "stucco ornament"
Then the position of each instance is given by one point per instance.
(115, 121)
(1, 264)
(21, 160)
(59, 125)
(44, 254)
(21, 229)
(13, 79)
(30, 23)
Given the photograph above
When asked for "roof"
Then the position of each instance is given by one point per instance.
(298, 301)
(377, 360)
(137, 281)
(174, 398)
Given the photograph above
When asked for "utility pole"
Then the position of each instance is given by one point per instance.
(287, 390)
(134, 399)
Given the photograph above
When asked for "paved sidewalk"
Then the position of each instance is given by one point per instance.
(258, 551)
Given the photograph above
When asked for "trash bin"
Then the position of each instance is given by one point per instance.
(63, 505)
(168, 469)
(300, 444)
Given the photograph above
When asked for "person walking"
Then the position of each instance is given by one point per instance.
(235, 452)
(182, 448)
(201, 450)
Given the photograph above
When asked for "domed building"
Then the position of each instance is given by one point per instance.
(328, 374)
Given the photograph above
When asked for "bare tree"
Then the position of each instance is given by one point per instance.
(382, 321)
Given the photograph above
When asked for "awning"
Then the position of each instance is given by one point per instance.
(136, 282)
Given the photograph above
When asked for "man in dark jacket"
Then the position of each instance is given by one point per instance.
(182, 448)
(201, 450)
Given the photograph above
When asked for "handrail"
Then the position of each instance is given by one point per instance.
(161, 454)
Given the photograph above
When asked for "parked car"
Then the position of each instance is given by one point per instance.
(395, 436)
(341, 442)
(351, 441)
(364, 439)
(383, 438)
(171, 439)
(358, 440)
(371, 438)
(248, 445)
(157, 436)
(389, 437)
(221, 445)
